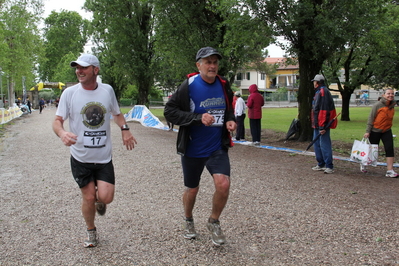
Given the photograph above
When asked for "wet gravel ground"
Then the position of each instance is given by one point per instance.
(280, 212)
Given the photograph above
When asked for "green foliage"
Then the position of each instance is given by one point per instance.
(185, 26)
(123, 32)
(126, 102)
(63, 72)
(65, 34)
(20, 43)
(131, 92)
(47, 94)
(385, 39)
(357, 62)
(316, 30)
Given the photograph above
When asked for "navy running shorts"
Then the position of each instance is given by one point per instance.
(217, 163)
(84, 173)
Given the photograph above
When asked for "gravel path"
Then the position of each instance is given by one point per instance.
(280, 212)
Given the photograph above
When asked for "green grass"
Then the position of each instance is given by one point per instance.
(279, 120)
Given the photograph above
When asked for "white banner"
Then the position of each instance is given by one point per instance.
(9, 114)
(141, 114)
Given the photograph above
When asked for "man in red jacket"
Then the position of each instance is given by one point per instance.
(323, 111)
(255, 102)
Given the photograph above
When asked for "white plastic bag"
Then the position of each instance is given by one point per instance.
(364, 153)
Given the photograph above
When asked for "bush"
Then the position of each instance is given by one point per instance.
(126, 102)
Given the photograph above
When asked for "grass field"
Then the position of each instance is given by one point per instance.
(279, 120)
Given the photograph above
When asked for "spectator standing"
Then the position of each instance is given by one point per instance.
(29, 105)
(323, 111)
(42, 103)
(89, 106)
(255, 102)
(379, 126)
(240, 116)
(202, 107)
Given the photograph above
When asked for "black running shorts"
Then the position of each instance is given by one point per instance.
(84, 173)
(217, 163)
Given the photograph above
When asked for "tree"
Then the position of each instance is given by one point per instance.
(62, 70)
(184, 26)
(315, 29)
(123, 33)
(359, 58)
(386, 65)
(20, 45)
(64, 33)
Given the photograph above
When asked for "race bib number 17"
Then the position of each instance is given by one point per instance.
(94, 139)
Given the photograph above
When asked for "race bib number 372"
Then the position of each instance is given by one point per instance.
(218, 114)
(94, 139)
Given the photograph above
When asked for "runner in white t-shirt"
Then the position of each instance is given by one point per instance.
(89, 106)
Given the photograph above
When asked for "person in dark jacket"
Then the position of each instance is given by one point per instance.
(255, 102)
(42, 104)
(202, 108)
(29, 106)
(323, 111)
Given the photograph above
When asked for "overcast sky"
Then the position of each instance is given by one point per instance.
(76, 5)
(71, 5)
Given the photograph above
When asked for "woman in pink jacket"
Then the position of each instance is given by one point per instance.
(255, 102)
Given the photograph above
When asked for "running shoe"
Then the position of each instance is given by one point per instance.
(101, 208)
(218, 237)
(328, 171)
(318, 168)
(391, 173)
(189, 230)
(91, 240)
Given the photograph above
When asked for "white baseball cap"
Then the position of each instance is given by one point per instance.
(86, 60)
(318, 77)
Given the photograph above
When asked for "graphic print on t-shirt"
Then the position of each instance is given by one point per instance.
(93, 114)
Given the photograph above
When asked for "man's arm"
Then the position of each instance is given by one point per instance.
(128, 140)
(180, 115)
(68, 138)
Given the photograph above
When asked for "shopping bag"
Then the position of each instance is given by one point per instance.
(364, 153)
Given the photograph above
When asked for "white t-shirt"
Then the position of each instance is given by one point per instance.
(240, 107)
(89, 113)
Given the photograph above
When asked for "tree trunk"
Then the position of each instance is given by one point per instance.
(11, 91)
(308, 69)
(346, 97)
(143, 97)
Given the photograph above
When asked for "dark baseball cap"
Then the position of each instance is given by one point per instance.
(207, 51)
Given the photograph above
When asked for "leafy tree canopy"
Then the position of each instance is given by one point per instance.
(64, 33)
(20, 43)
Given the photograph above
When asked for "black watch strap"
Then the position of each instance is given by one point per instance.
(125, 127)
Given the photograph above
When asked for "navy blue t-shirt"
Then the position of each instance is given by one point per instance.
(206, 98)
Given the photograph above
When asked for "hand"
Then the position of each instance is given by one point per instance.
(231, 126)
(366, 135)
(207, 119)
(128, 140)
(322, 132)
(68, 138)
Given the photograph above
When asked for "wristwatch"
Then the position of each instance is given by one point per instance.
(125, 127)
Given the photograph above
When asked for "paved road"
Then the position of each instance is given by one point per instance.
(279, 212)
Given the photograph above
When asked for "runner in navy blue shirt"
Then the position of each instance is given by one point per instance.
(202, 107)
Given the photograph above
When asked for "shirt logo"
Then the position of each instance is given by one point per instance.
(212, 102)
(93, 115)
